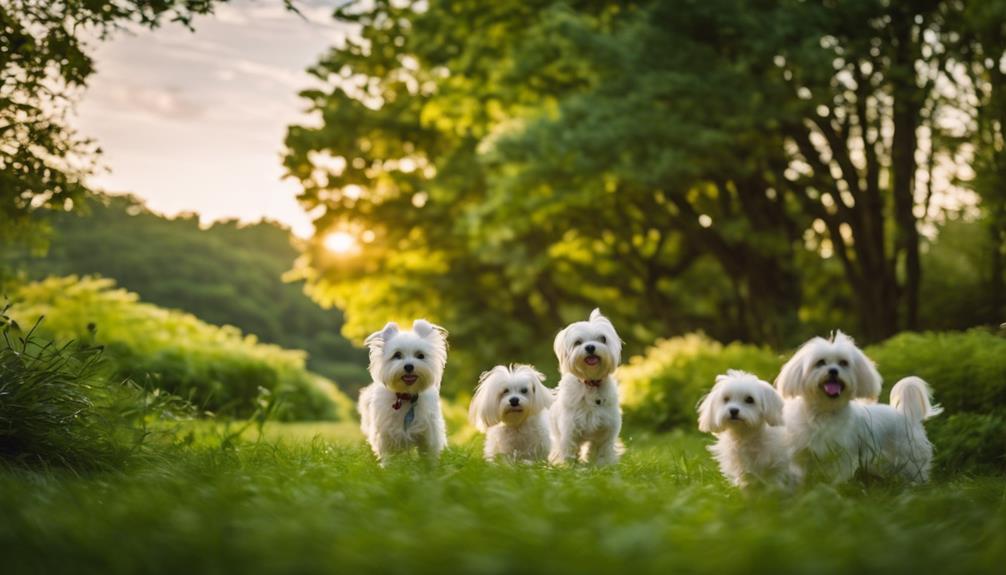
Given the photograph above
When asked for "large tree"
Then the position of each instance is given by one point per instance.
(684, 164)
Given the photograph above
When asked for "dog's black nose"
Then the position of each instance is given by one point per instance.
(734, 411)
(515, 401)
(833, 372)
(409, 368)
(590, 348)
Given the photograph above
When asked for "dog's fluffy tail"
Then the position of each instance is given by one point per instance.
(912, 397)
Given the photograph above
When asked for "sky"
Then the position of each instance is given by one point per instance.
(195, 121)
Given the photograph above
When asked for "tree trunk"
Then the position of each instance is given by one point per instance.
(906, 103)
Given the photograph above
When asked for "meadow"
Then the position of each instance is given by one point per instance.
(99, 474)
(313, 500)
(724, 179)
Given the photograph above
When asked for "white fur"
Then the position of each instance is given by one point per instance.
(745, 415)
(831, 437)
(391, 350)
(510, 406)
(585, 420)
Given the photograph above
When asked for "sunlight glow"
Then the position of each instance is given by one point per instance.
(340, 243)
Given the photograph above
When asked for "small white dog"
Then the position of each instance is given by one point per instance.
(834, 425)
(745, 414)
(585, 419)
(401, 408)
(510, 406)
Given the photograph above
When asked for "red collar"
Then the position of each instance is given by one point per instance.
(404, 396)
(592, 382)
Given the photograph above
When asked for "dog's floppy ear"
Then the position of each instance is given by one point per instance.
(541, 396)
(707, 409)
(772, 404)
(790, 377)
(376, 342)
(426, 329)
(868, 380)
(483, 412)
(559, 346)
(378, 338)
(788, 381)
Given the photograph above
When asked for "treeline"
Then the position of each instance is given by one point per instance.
(226, 274)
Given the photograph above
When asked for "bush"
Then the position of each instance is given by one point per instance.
(57, 407)
(967, 370)
(968, 441)
(216, 368)
(661, 388)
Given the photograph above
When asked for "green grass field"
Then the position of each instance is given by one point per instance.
(311, 499)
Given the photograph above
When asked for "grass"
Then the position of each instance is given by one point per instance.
(287, 503)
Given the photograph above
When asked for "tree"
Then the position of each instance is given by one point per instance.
(721, 165)
(982, 46)
(780, 121)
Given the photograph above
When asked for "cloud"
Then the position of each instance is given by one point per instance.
(167, 102)
(217, 101)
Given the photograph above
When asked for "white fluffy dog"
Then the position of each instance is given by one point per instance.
(745, 414)
(511, 407)
(401, 408)
(834, 425)
(585, 419)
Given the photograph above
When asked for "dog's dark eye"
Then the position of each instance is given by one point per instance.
(820, 363)
(420, 355)
(506, 390)
(604, 339)
(726, 399)
(749, 399)
(577, 342)
(523, 390)
(398, 355)
(843, 363)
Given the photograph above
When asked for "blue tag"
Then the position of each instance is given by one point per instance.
(410, 414)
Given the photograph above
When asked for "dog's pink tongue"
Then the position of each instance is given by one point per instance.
(592, 360)
(832, 388)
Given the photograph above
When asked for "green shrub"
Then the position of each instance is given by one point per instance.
(968, 442)
(967, 370)
(216, 368)
(58, 407)
(661, 388)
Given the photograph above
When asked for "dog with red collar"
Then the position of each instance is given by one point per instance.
(585, 418)
(400, 410)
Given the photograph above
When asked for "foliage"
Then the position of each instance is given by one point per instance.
(226, 274)
(719, 166)
(318, 508)
(58, 407)
(958, 287)
(216, 368)
(967, 371)
(659, 390)
(969, 443)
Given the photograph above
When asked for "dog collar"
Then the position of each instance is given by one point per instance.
(399, 397)
(592, 382)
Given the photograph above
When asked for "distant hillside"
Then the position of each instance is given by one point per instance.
(228, 274)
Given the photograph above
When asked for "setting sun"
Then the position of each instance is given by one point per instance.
(340, 242)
